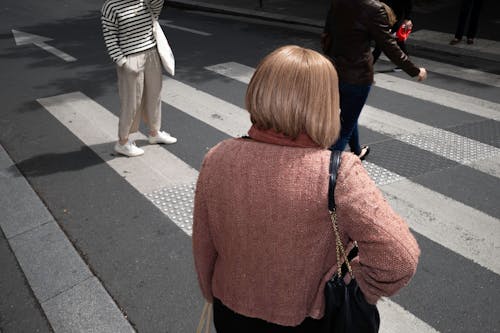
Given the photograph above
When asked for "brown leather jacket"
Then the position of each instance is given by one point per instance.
(350, 27)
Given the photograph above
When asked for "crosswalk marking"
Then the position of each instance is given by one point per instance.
(395, 318)
(225, 117)
(168, 23)
(156, 170)
(468, 74)
(437, 141)
(96, 127)
(471, 241)
(468, 104)
(443, 97)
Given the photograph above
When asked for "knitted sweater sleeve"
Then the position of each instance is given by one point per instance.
(156, 7)
(204, 250)
(388, 252)
(110, 33)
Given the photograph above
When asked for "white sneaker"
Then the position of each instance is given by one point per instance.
(162, 137)
(128, 149)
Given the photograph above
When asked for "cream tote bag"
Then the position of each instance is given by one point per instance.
(164, 49)
(166, 54)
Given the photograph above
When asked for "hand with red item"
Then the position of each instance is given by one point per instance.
(404, 31)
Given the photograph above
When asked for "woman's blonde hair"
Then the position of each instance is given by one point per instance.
(390, 14)
(294, 90)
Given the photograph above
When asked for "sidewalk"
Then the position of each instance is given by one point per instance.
(434, 24)
(46, 286)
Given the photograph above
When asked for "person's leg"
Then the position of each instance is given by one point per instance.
(152, 90)
(152, 99)
(474, 19)
(352, 100)
(354, 140)
(130, 88)
(130, 91)
(462, 18)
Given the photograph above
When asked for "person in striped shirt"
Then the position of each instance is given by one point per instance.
(128, 33)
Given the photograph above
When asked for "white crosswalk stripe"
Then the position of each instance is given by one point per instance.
(96, 127)
(413, 201)
(450, 99)
(468, 74)
(73, 109)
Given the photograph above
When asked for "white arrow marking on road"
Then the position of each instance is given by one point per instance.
(173, 26)
(23, 38)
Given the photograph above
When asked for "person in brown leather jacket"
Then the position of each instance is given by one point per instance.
(350, 27)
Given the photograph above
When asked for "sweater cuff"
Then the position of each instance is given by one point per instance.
(120, 62)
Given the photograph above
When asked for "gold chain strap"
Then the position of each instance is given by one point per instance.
(339, 247)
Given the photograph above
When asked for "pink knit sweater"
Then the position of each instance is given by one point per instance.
(262, 238)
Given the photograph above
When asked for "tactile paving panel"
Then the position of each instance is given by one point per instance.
(380, 175)
(487, 131)
(405, 159)
(177, 203)
(451, 146)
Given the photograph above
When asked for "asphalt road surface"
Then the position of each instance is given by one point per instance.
(125, 224)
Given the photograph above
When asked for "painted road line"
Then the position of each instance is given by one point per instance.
(53, 268)
(438, 141)
(97, 127)
(222, 115)
(460, 228)
(442, 219)
(468, 104)
(482, 252)
(394, 319)
(23, 38)
(225, 117)
(447, 98)
(468, 74)
(234, 71)
(173, 26)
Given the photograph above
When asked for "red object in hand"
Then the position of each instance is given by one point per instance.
(403, 33)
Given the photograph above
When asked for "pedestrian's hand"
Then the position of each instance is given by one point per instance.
(408, 24)
(129, 68)
(422, 75)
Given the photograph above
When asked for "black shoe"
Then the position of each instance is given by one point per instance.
(365, 150)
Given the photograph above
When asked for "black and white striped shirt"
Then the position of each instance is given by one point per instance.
(127, 26)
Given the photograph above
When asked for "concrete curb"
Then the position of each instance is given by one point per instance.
(221, 9)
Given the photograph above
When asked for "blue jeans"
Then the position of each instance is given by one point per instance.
(352, 100)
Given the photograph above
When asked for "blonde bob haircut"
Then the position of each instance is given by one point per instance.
(294, 90)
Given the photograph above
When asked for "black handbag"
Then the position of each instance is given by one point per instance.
(346, 309)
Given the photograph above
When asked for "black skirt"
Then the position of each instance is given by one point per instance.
(228, 321)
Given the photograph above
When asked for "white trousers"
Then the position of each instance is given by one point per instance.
(139, 87)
